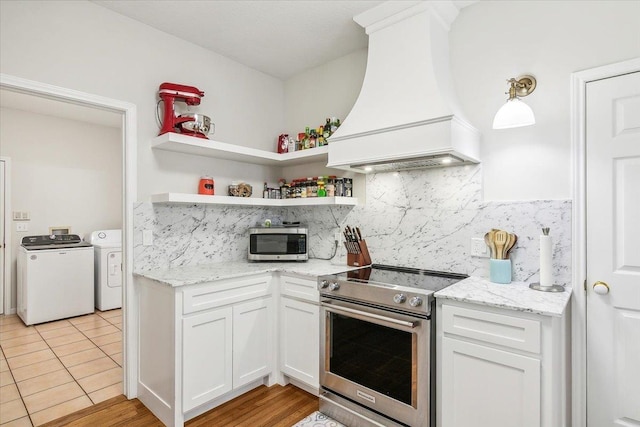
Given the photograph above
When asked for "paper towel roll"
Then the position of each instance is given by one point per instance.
(545, 260)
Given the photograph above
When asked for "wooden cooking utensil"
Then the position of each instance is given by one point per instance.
(489, 242)
(510, 244)
(500, 240)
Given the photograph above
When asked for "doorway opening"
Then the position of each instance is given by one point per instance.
(127, 115)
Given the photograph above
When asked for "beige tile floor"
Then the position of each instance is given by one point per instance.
(56, 368)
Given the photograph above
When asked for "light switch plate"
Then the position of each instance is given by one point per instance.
(479, 248)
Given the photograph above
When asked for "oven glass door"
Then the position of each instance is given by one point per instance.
(375, 356)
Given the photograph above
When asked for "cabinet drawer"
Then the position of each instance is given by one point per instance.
(225, 292)
(498, 329)
(297, 287)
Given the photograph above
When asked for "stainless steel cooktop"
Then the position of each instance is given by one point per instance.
(402, 288)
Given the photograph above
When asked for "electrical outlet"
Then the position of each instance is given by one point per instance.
(479, 248)
(337, 237)
(22, 226)
(147, 237)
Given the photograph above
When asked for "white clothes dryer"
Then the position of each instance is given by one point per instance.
(107, 246)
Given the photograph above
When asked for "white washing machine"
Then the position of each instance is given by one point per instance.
(107, 246)
(55, 278)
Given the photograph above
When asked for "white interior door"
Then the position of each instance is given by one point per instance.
(613, 251)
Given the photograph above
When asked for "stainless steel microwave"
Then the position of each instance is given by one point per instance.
(278, 244)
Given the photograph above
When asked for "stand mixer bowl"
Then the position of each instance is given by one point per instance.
(195, 123)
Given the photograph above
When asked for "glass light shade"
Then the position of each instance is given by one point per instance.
(514, 113)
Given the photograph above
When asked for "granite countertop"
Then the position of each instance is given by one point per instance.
(514, 296)
(193, 275)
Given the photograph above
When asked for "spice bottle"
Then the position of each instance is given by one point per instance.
(330, 185)
(348, 187)
(339, 187)
(327, 128)
(321, 190)
(313, 138)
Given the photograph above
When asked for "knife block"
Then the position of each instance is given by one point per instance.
(361, 259)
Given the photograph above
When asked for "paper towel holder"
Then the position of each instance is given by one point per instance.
(553, 288)
(537, 286)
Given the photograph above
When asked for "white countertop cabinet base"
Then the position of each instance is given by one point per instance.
(501, 368)
(203, 345)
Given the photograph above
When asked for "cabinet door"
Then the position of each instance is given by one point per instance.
(300, 345)
(206, 357)
(252, 341)
(483, 386)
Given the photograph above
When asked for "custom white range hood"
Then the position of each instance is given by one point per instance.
(406, 115)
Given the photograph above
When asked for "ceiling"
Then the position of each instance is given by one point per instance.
(280, 38)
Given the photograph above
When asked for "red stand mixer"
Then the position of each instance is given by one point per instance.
(189, 124)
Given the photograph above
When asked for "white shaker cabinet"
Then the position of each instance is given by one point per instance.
(252, 340)
(500, 368)
(207, 356)
(299, 331)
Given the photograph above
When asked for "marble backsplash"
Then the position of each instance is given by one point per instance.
(421, 218)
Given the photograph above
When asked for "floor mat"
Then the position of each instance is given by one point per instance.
(318, 419)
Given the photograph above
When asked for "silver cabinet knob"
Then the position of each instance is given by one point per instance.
(324, 284)
(334, 286)
(399, 298)
(600, 288)
(415, 302)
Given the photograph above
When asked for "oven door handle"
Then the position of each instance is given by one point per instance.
(363, 315)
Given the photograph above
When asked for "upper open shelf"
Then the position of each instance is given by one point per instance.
(221, 150)
(181, 198)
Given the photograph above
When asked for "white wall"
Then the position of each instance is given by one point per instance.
(325, 91)
(82, 46)
(63, 172)
(490, 42)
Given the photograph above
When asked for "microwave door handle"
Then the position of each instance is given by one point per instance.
(363, 315)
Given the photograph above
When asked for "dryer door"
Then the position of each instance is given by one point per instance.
(114, 269)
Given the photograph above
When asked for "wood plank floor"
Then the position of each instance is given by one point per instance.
(275, 406)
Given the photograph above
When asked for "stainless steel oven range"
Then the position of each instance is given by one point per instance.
(377, 352)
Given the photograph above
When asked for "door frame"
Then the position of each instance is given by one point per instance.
(579, 82)
(8, 237)
(129, 191)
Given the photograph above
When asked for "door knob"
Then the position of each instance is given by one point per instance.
(601, 288)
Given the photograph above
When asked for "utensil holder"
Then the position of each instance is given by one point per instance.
(360, 259)
(500, 271)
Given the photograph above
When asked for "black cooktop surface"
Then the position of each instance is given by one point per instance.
(385, 275)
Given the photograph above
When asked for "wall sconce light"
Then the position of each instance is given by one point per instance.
(515, 113)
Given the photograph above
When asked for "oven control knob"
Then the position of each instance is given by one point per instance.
(415, 302)
(399, 298)
(324, 284)
(334, 286)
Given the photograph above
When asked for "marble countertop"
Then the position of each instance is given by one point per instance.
(514, 296)
(193, 275)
